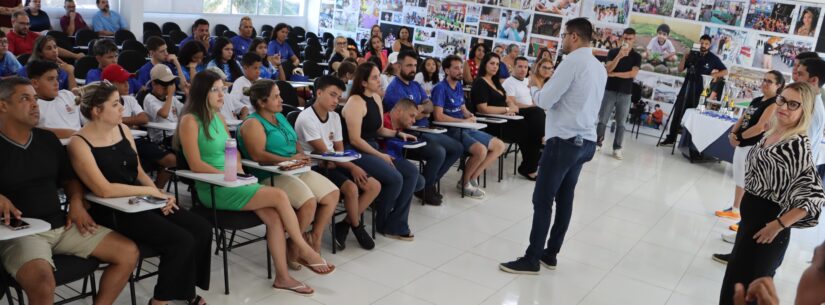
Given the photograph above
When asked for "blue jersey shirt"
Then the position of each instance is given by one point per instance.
(449, 99)
(241, 45)
(144, 73)
(94, 75)
(281, 48)
(398, 90)
(9, 65)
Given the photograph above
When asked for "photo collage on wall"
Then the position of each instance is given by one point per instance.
(749, 36)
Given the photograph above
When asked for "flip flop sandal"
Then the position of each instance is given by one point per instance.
(312, 267)
(295, 290)
(197, 301)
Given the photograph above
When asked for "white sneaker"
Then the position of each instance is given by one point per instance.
(729, 238)
(617, 153)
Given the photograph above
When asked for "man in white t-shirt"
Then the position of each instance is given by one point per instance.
(59, 112)
(152, 155)
(161, 104)
(319, 131)
(251, 64)
(661, 45)
(517, 85)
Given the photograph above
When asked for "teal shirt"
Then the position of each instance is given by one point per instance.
(281, 140)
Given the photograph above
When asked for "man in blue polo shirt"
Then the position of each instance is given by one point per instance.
(279, 46)
(106, 22)
(441, 151)
(200, 33)
(159, 54)
(244, 39)
(448, 104)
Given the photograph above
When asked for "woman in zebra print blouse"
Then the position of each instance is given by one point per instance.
(782, 191)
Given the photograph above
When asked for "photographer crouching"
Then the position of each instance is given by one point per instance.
(698, 63)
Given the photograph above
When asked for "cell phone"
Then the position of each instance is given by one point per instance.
(16, 224)
(147, 199)
(245, 176)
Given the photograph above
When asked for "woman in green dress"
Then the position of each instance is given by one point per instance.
(202, 134)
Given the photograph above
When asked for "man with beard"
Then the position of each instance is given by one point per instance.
(572, 99)
(704, 63)
(441, 151)
(72, 21)
(106, 22)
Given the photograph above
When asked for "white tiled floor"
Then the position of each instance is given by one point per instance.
(642, 233)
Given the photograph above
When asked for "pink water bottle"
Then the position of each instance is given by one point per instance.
(230, 161)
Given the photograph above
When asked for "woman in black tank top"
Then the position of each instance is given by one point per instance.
(103, 155)
(363, 118)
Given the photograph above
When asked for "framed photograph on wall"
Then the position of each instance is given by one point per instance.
(654, 7)
(547, 25)
(514, 25)
(570, 8)
(807, 21)
(727, 12)
(613, 11)
(770, 16)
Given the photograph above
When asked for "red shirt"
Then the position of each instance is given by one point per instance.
(79, 23)
(21, 45)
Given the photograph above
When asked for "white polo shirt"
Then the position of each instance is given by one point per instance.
(61, 112)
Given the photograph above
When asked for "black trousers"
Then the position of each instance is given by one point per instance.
(183, 239)
(750, 260)
(528, 133)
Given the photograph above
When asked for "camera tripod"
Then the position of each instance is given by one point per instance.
(688, 95)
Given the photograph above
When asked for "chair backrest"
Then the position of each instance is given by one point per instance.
(177, 36)
(219, 29)
(168, 27)
(288, 93)
(83, 36)
(311, 68)
(24, 59)
(300, 31)
(311, 35)
(83, 65)
(123, 35)
(313, 53)
(327, 36)
(151, 33)
(363, 43)
(229, 34)
(351, 42)
(134, 45)
(265, 35)
(292, 116)
(266, 28)
(61, 39)
(131, 60)
(149, 26)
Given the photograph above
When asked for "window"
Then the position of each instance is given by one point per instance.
(81, 4)
(254, 7)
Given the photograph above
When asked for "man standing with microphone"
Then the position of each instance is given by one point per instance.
(572, 99)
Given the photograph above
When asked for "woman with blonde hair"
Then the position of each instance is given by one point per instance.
(782, 191)
(540, 74)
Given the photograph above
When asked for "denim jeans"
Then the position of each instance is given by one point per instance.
(397, 186)
(440, 153)
(620, 102)
(559, 170)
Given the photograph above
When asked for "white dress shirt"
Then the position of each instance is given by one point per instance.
(573, 96)
(817, 127)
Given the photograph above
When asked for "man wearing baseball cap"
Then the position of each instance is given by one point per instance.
(152, 155)
(161, 104)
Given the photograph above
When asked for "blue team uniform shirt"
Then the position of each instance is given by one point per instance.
(398, 90)
(9, 65)
(281, 48)
(449, 99)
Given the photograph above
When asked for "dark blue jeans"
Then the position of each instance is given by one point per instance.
(397, 186)
(440, 153)
(559, 170)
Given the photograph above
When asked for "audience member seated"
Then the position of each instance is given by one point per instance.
(21, 39)
(58, 109)
(45, 48)
(471, 67)
(251, 64)
(508, 61)
(159, 54)
(161, 104)
(441, 151)
(191, 57)
(200, 33)
(362, 116)
(484, 149)
(390, 72)
(39, 19)
(376, 49)
(202, 137)
(319, 131)
(153, 156)
(346, 73)
(404, 41)
(105, 51)
(530, 131)
(270, 66)
(279, 47)
(104, 155)
(503, 72)
(72, 21)
(339, 52)
(428, 76)
(402, 116)
(267, 138)
(223, 58)
(542, 73)
(9, 65)
(243, 40)
(7, 8)
(41, 167)
(375, 31)
(106, 22)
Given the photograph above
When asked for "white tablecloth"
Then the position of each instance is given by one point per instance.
(704, 130)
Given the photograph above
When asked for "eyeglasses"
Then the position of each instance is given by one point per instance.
(767, 81)
(792, 105)
(547, 68)
(218, 89)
